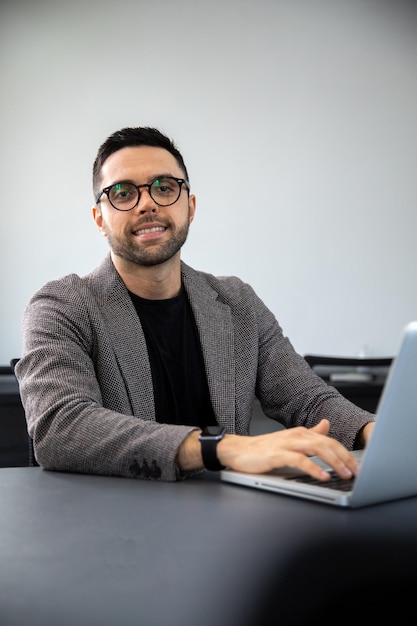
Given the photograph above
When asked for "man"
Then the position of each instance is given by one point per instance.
(122, 369)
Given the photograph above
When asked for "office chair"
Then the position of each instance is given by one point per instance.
(360, 379)
(32, 462)
(13, 428)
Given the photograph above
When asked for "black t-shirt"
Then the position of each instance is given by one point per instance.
(178, 372)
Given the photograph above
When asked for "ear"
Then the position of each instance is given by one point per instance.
(98, 218)
(191, 207)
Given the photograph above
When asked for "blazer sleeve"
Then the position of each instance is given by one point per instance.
(67, 364)
(292, 393)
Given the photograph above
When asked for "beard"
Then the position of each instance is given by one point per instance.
(147, 256)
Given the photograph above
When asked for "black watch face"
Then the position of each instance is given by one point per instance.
(212, 431)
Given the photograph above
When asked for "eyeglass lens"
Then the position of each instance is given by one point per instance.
(164, 191)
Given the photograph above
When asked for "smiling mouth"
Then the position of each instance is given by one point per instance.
(154, 229)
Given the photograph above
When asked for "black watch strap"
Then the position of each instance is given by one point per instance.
(209, 439)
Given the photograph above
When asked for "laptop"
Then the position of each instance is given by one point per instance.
(388, 464)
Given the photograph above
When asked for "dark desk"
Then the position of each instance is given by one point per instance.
(84, 550)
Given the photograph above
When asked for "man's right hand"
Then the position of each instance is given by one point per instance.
(292, 447)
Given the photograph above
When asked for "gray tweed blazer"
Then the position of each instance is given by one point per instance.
(86, 383)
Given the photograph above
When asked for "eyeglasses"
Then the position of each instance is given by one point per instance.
(164, 191)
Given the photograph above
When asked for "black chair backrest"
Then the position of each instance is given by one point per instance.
(357, 361)
(334, 367)
(31, 452)
(13, 363)
(360, 379)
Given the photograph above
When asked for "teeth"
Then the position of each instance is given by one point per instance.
(150, 230)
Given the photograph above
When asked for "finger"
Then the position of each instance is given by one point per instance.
(343, 463)
(323, 427)
(334, 453)
(307, 465)
(338, 459)
(311, 466)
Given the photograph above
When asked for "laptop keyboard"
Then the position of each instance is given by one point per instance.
(335, 482)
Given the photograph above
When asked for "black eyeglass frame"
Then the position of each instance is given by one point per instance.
(180, 181)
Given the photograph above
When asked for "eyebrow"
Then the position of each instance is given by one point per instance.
(150, 180)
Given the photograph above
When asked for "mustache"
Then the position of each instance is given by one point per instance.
(149, 220)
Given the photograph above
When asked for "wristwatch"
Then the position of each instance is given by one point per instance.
(210, 437)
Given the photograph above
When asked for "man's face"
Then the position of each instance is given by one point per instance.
(148, 234)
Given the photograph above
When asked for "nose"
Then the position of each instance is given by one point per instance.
(146, 203)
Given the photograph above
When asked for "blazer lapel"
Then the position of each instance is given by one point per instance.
(128, 341)
(214, 323)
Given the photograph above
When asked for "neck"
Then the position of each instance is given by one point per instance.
(157, 282)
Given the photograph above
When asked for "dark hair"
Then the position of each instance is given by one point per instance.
(127, 137)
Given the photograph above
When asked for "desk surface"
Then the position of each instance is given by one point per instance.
(87, 550)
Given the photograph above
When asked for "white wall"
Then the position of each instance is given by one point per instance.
(297, 121)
